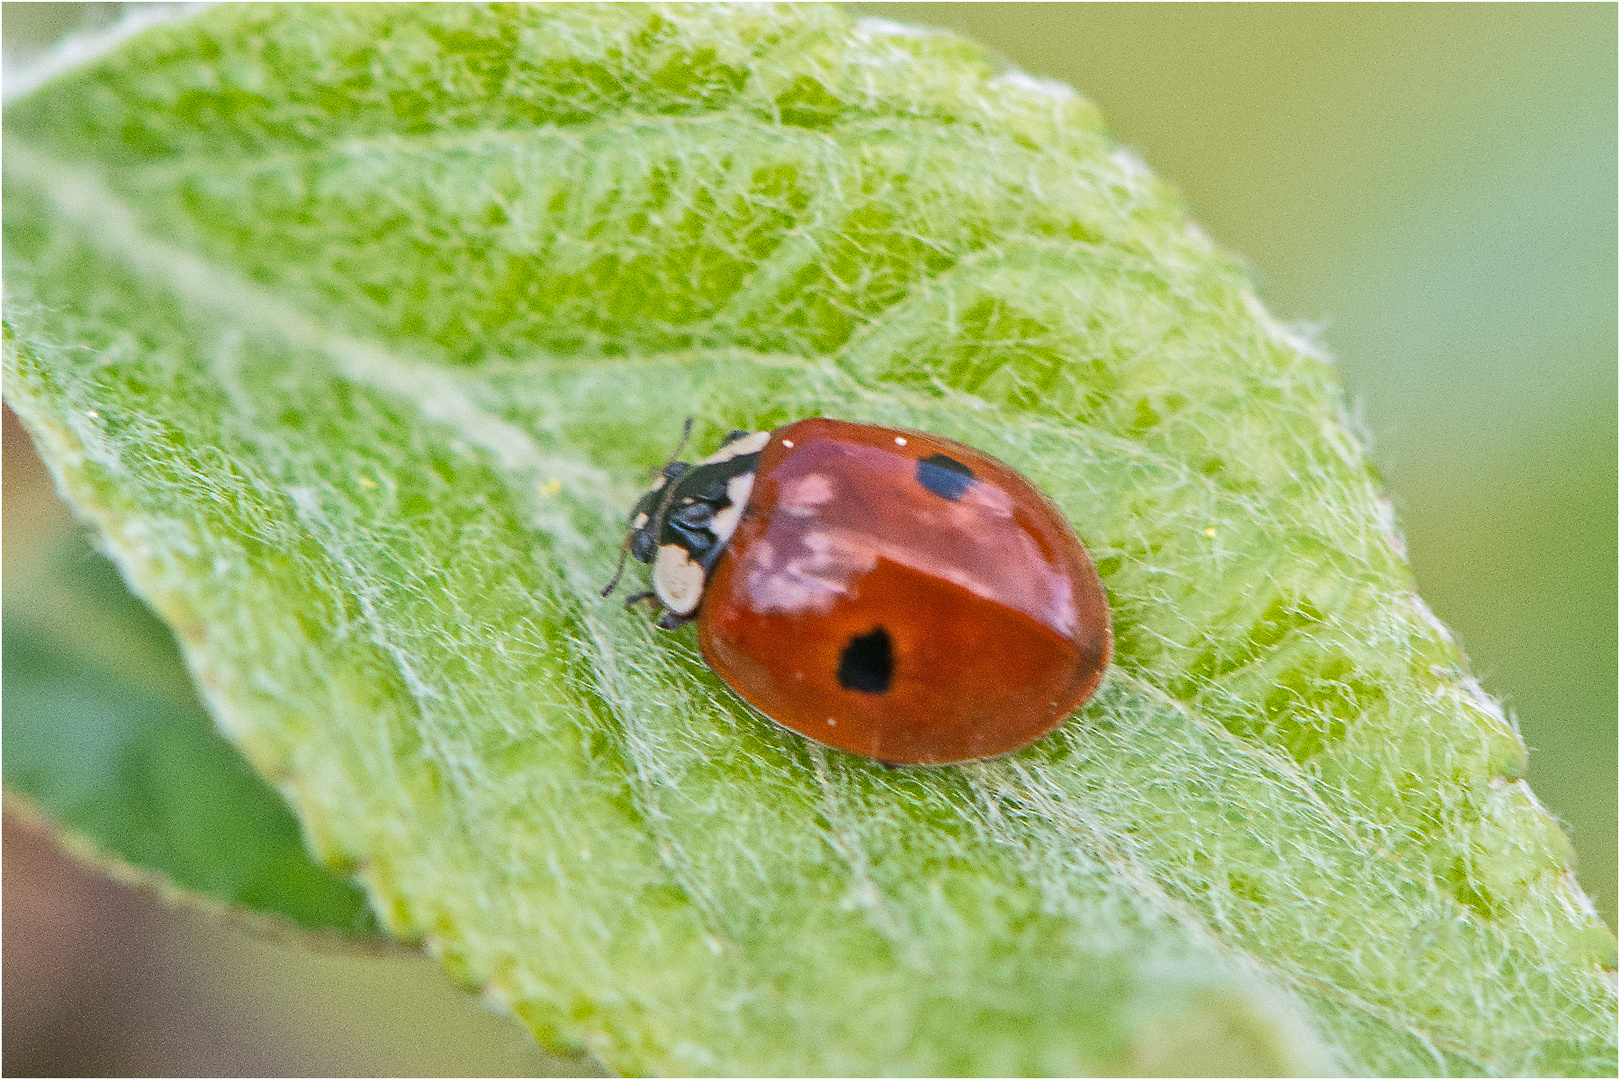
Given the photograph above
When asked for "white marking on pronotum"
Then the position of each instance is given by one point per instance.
(748, 444)
(677, 579)
(899, 441)
(640, 522)
(724, 523)
(788, 443)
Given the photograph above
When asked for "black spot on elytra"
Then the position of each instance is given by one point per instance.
(867, 664)
(944, 476)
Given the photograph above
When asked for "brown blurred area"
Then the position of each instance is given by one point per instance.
(90, 989)
(105, 979)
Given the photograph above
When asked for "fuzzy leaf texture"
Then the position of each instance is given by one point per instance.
(356, 330)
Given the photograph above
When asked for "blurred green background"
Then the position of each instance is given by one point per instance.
(1432, 187)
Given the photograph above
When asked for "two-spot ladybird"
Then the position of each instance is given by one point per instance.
(886, 592)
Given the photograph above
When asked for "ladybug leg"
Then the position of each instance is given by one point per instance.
(667, 619)
(671, 621)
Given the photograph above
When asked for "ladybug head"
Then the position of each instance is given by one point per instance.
(682, 523)
(646, 520)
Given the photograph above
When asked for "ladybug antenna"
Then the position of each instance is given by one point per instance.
(686, 433)
(624, 551)
(669, 489)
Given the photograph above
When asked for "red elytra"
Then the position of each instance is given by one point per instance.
(890, 593)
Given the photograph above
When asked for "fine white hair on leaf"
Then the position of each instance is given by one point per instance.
(1031, 84)
(869, 27)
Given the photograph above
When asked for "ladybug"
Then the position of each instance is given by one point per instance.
(885, 592)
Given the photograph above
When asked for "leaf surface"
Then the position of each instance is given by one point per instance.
(356, 329)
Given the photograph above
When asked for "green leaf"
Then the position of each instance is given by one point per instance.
(355, 330)
(104, 734)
